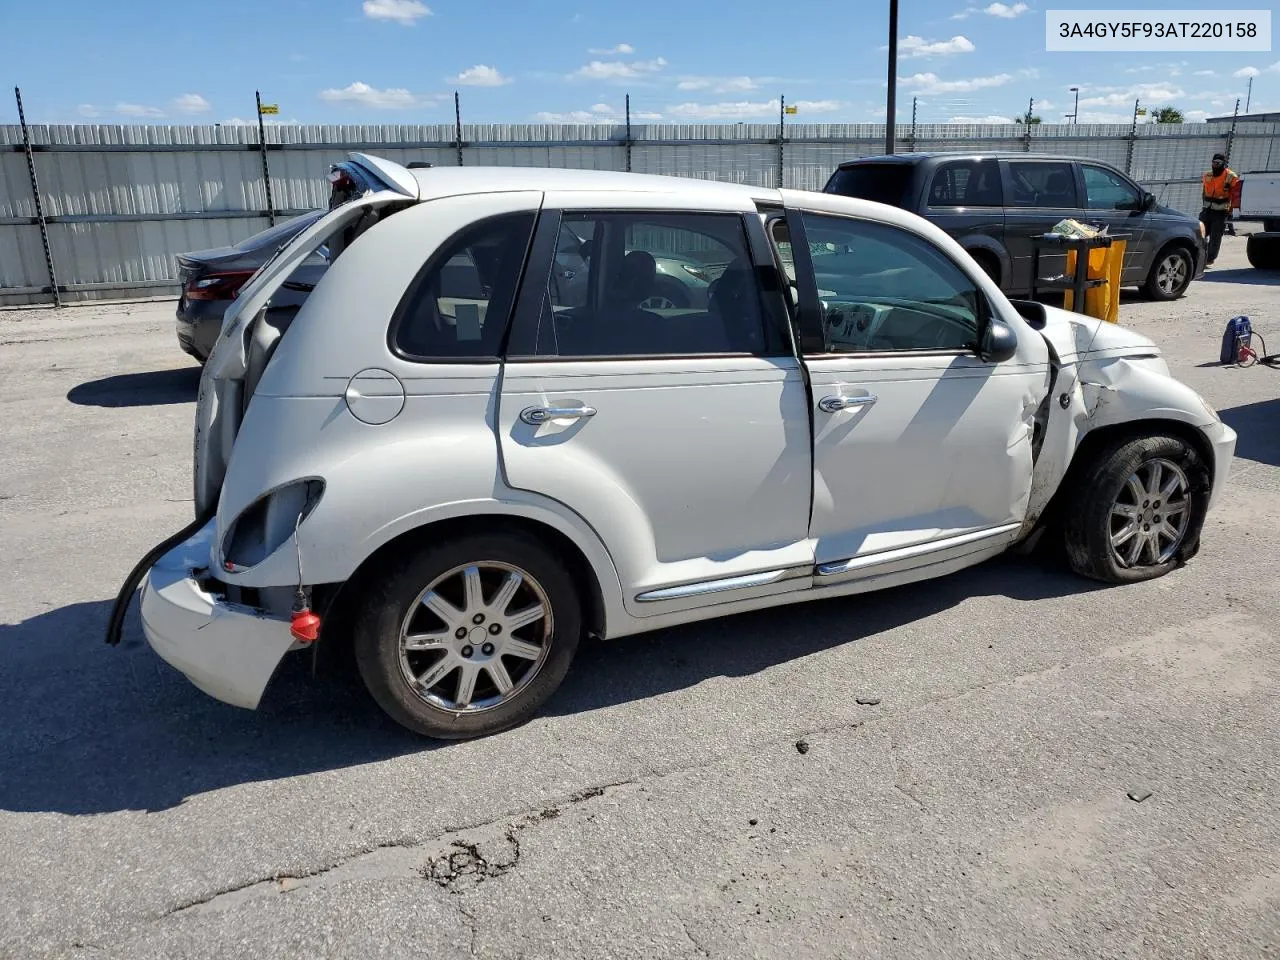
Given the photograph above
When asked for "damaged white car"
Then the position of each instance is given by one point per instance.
(493, 428)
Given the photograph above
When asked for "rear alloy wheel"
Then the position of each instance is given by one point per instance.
(1170, 275)
(469, 638)
(1138, 511)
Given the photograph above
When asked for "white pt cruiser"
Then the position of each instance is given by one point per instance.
(524, 405)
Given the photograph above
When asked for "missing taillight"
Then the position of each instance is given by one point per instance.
(218, 286)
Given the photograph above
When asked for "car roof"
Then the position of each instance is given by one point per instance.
(436, 182)
(913, 158)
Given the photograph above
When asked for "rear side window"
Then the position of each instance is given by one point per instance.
(1046, 183)
(652, 285)
(966, 183)
(458, 306)
(881, 182)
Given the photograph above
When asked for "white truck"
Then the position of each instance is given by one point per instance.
(1260, 201)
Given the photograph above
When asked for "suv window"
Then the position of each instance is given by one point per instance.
(887, 289)
(1042, 183)
(458, 305)
(882, 182)
(652, 284)
(966, 183)
(1108, 191)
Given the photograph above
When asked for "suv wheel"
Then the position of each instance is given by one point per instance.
(1170, 274)
(1138, 510)
(468, 637)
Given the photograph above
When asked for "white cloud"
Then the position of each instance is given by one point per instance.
(1274, 68)
(718, 84)
(990, 118)
(599, 113)
(1005, 11)
(622, 49)
(1244, 72)
(480, 76)
(1195, 116)
(401, 11)
(138, 110)
(913, 46)
(88, 110)
(191, 103)
(929, 83)
(1044, 105)
(743, 109)
(1148, 93)
(1205, 73)
(618, 70)
(392, 98)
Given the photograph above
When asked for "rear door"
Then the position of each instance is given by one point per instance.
(680, 434)
(965, 198)
(1037, 194)
(1113, 201)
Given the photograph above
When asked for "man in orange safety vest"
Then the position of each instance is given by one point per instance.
(1217, 202)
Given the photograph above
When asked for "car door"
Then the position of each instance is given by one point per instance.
(965, 198)
(1037, 194)
(680, 434)
(1114, 202)
(921, 449)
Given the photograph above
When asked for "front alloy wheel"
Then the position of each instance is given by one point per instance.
(1150, 515)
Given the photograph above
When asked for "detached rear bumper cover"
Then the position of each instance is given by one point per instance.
(228, 650)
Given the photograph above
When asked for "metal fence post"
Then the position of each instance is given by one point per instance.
(782, 136)
(262, 148)
(1231, 134)
(1133, 136)
(457, 125)
(912, 148)
(628, 141)
(35, 192)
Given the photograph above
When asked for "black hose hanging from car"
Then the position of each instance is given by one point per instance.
(116, 623)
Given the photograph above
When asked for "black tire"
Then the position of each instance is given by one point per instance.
(1087, 525)
(1157, 286)
(1263, 253)
(397, 585)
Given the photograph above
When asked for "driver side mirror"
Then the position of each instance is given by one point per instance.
(1148, 202)
(999, 343)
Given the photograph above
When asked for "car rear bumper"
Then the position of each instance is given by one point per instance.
(1223, 440)
(228, 650)
(198, 324)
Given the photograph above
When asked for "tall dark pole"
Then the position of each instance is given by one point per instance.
(35, 194)
(891, 104)
(1075, 113)
(266, 170)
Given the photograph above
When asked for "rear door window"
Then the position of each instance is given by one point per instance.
(966, 183)
(1042, 183)
(880, 182)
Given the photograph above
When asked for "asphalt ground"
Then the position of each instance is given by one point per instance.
(970, 743)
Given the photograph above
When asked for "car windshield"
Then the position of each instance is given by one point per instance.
(880, 182)
(280, 234)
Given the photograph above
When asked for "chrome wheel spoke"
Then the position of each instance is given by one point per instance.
(437, 672)
(522, 618)
(1155, 474)
(518, 648)
(506, 593)
(1135, 549)
(442, 608)
(466, 684)
(501, 679)
(417, 642)
(1126, 510)
(474, 590)
(1174, 508)
(1136, 490)
(1125, 534)
(1170, 531)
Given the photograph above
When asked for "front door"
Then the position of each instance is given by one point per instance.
(1115, 203)
(919, 445)
(674, 423)
(1037, 194)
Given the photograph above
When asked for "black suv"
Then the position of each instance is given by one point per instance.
(993, 204)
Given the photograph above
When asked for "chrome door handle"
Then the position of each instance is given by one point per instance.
(836, 404)
(537, 415)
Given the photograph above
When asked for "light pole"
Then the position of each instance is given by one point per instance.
(891, 104)
(1075, 114)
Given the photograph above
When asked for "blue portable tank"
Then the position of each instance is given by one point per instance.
(1239, 333)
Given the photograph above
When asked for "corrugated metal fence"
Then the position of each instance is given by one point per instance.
(120, 201)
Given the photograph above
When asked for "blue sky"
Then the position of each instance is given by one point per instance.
(399, 61)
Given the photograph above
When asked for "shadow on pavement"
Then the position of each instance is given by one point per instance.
(1257, 426)
(139, 389)
(85, 728)
(1262, 278)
